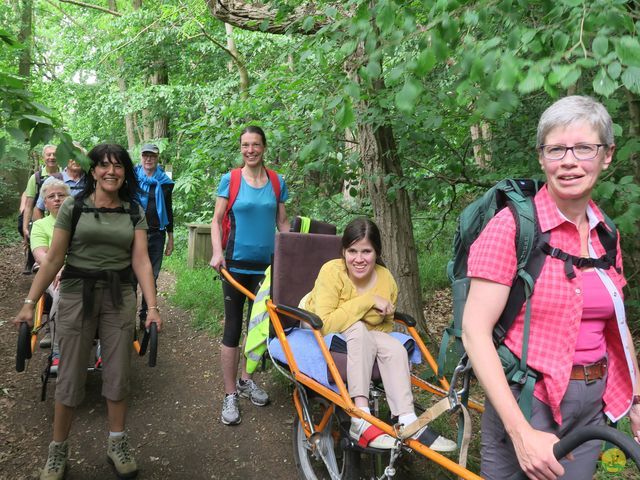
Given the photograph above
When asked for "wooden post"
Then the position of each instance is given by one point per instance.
(199, 248)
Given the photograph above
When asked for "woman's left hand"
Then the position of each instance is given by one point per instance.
(153, 316)
(634, 416)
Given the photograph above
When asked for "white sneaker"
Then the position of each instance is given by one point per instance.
(367, 435)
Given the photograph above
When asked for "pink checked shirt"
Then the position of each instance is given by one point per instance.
(556, 305)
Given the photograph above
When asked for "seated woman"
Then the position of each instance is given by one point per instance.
(355, 296)
(53, 193)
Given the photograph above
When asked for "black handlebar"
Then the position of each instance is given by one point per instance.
(569, 443)
(150, 340)
(23, 350)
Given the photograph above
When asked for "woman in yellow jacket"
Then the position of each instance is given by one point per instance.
(356, 296)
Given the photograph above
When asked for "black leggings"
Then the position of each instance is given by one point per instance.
(234, 304)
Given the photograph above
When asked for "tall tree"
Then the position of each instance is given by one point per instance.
(377, 146)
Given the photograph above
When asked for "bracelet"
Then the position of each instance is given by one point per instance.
(153, 308)
(28, 301)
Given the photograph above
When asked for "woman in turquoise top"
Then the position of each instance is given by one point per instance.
(255, 214)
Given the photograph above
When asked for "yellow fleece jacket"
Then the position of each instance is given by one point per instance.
(336, 301)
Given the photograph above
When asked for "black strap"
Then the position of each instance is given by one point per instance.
(261, 267)
(114, 278)
(79, 208)
(581, 262)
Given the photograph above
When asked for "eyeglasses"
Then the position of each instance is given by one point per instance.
(582, 151)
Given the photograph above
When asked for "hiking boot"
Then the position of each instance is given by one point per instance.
(230, 410)
(249, 389)
(56, 461)
(119, 455)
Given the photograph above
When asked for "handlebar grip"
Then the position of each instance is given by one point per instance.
(594, 432)
(153, 344)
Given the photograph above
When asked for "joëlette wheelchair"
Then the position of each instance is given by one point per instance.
(145, 340)
(316, 366)
(321, 442)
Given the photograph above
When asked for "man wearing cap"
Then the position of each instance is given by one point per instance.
(32, 192)
(72, 175)
(155, 198)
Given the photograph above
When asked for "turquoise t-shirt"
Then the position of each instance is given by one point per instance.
(253, 222)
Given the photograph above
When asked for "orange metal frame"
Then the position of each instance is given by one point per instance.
(342, 398)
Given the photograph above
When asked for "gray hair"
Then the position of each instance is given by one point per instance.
(44, 149)
(53, 182)
(572, 109)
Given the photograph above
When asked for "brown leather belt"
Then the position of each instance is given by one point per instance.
(589, 373)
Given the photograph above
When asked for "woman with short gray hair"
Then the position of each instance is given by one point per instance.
(579, 347)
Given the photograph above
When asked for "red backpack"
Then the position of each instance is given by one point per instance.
(234, 187)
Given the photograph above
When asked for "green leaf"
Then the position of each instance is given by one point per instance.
(308, 23)
(38, 119)
(386, 18)
(628, 50)
(603, 84)
(508, 74)
(64, 151)
(600, 46)
(345, 116)
(42, 133)
(374, 69)
(533, 81)
(3, 145)
(631, 79)
(560, 41)
(571, 77)
(406, 98)
(425, 62)
(17, 134)
(614, 69)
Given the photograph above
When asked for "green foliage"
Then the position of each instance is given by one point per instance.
(197, 290)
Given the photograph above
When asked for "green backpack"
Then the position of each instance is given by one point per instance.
(532, 247)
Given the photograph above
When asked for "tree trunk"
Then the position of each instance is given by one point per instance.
(122, 86)
(26, 38)
(242, 69)
(380, 158)
(161, 123)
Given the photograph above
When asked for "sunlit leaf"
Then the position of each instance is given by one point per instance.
(628, 50)
(631, 79)
(406, 98)
(600, 46)
(533, 81)
(345, 116)
(603, 84)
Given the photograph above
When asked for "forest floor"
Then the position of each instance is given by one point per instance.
(174, 408)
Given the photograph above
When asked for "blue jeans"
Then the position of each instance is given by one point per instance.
(155, 245)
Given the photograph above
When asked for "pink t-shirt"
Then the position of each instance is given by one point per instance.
(597, 308)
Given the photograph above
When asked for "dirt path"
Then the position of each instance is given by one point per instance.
(174, 408)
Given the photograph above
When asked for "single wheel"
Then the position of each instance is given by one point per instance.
(581, 435)
(23, 351)
(321, 457)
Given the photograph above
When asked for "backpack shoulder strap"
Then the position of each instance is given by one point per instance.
(530, 257)
(609, 238)
(78, 205)
(234, 187)
(275, 183)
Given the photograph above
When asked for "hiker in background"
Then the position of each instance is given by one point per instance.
(53, 193)
(356, 295)
(249, 207)
(73, 176)
(579, 341)
(100, 253)
(32, 192)
(155, 197)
